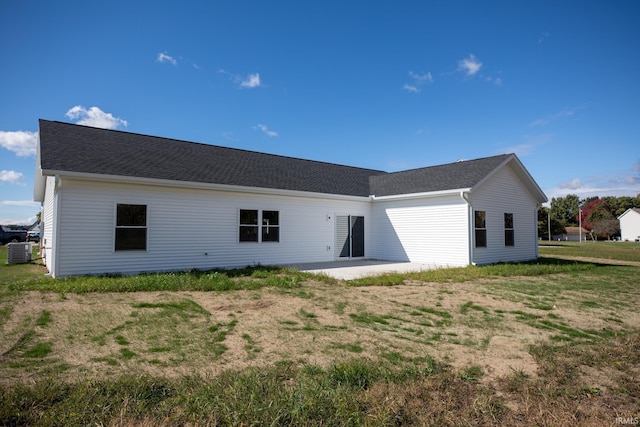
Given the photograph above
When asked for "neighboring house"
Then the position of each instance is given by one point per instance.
(118, 202)
(572, 234)
(630, 224)
(33, 233)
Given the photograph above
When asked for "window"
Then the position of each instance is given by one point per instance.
(270, 226)
(248, 225)
(508, 230)
(259, 226)
(481, 229)
(131, 227)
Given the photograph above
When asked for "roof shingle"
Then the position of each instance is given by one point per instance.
(458, 175)
(66, 147)
(74, 148)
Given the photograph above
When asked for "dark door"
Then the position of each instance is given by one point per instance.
(350, 236)
(357, 236)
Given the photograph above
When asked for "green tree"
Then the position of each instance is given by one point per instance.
(544, 215)
(565, 210)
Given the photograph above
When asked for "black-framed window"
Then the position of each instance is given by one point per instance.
(259, 226)
(270, 226)
(509, 239)
(248, 225)
(131, 227)
(480, 223)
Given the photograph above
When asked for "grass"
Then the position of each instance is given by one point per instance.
(620, 251)
(350, 392)
(381, 374)
(22, 278)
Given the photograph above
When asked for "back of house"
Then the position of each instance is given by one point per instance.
(120, 202)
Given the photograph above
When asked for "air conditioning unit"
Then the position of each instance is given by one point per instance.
(19, 253)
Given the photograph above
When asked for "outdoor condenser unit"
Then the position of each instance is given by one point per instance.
(19, 253)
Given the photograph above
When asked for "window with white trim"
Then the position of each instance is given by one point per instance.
(509, 238)
(131, 227)
(259, 226)
(270, 226)
(480, 222)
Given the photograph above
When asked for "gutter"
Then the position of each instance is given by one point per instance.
(420, 195)
(200, 185)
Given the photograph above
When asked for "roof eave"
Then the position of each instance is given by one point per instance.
(119, 179)
(441, 193)
(39, 180)
(628, 211)
(523, 174)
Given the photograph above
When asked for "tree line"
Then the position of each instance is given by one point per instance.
(597, 215)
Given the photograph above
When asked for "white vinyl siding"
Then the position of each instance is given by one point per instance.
(630, 225)
(429, 230)
(504, 192)
(48, 219)
(189, 228)
(197, 228)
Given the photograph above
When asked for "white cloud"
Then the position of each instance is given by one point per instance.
(11, 177)
(574, 184)
(266, 130)
(418, 80)
(18, 212)
(252, 80)
(497, 81)
(470, 65)
(567, 112)
(20, 203)
(163, 57)
(23, 143)
(624, 183)
(530, 143)
(520, 150)
(421, 78)
(411, 88)
(543, 37)
(95, 117)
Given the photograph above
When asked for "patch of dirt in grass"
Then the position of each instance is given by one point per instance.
(101, 334)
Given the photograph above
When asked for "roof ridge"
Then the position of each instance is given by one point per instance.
(461, 162)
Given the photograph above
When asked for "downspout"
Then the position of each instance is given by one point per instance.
(535, 221)
(471, 245)
(56, 225)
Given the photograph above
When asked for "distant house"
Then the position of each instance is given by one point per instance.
(119, 202)
(572, 234)
(630, 224)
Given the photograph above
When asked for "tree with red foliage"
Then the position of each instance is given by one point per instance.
(598, 219)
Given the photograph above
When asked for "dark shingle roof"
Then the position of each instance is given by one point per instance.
(66, 147)
(458, 175)
(74, 148)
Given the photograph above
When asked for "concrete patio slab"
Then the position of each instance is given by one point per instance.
(354, 269)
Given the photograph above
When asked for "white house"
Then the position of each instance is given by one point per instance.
(119, 202)
(572, 234)
(630, 224)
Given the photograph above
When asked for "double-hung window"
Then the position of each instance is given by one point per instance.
(509, 239)
(270, 226)
(480, 222)
(131, 227)
(259, 226)
(248, 225)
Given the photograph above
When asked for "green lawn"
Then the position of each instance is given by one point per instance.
(622, 251)
(381, 333)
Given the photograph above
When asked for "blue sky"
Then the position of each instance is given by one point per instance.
(386, 85)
